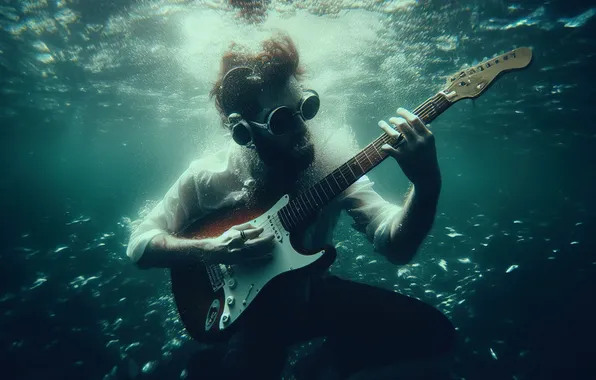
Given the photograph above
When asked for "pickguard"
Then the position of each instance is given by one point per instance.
(244, 282)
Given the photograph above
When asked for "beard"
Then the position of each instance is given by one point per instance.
(291, 169)
(287, 160)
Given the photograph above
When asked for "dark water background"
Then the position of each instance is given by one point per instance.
(103, 105)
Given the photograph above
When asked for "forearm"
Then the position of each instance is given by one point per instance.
(409, 229)
(165, 251)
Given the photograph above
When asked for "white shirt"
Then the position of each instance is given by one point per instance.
(221, 181)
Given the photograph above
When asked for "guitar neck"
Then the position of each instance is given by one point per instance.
(305, 205)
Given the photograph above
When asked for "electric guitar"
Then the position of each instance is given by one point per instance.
(211, 298)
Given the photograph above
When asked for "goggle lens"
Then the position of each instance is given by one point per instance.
(280, 120)
(310, 105)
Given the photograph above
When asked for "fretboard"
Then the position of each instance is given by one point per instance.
(302, 208)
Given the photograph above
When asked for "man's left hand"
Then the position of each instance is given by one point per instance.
(417, 155)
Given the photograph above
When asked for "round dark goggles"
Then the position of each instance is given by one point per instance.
(240, 90)
(280, 120)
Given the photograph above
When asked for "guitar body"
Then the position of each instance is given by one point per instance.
(211, 299)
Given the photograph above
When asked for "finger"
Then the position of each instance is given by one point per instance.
(251, 252)
(414, 121)
(388, 129)
(391, 151)
(263, 240)
(261, 248)
(402, 125)
(252, 233)
(242, 227)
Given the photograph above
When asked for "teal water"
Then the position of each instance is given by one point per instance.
(103, 105)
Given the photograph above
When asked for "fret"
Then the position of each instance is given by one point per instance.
(378, 144)
(295, 215)
(382, 154)
(286, 215)
(336, 176)
(433, 107)
(293, 207)
(327, 197)
(319, 195)
(360, 162)
(377, 151)
(322, 189)
(367, 157)
(304, 207)
(307, 210)
(354, 168)
(295, 204)
(424, 108)
(338, 186)
(342, 174)
(361, 168)
(421, 114)
(444, 105)
(310, 204)
(431, 112)
(330, 188)
(313, 197)
(283, 217)
(365, 161)
(293, 220)
(345, 174)
(348, 164)
(293, 210)
(388, 141)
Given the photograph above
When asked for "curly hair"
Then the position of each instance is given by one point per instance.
(277, 61)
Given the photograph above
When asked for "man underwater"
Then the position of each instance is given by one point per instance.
(267, 112)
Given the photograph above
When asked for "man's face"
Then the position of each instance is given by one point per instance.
(293, 150)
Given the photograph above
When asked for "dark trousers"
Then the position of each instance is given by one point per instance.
(364, 327)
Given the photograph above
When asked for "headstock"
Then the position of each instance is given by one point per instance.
(473, 81)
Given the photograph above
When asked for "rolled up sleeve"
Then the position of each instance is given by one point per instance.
(371, 213)
(174, 212)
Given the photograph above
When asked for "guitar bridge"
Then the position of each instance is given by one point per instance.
(216, 276)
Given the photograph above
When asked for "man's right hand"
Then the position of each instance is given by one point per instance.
(240, 244)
